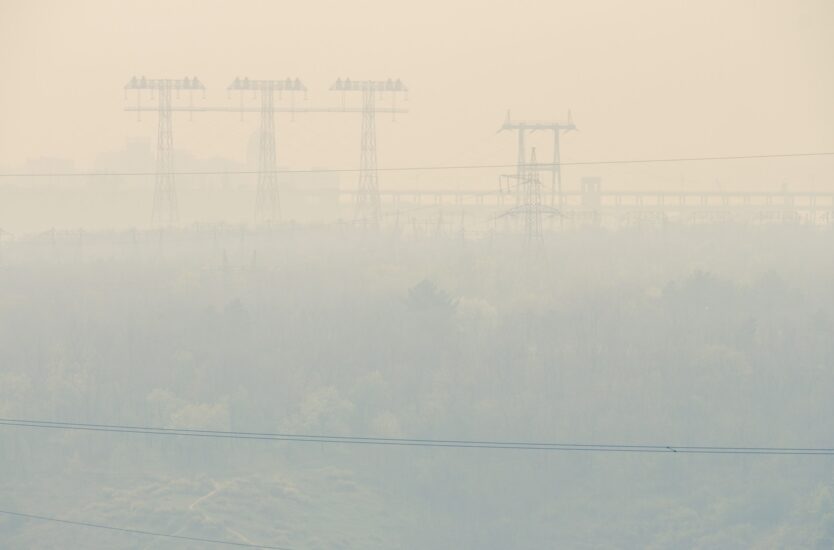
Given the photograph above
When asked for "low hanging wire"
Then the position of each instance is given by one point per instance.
(418, 442)
(537, 166)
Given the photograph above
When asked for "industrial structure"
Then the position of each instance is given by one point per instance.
(165, 207)
(530, 207)
(522, 128)
(367, 212)
(589, 203)
(267, 198)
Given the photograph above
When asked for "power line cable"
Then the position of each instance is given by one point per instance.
(415, 168)
(414, 442)
(139, 531)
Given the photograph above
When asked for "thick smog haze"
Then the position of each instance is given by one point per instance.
(388, 275)
(643, 79)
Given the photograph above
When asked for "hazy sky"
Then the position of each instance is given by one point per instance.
(649, 78)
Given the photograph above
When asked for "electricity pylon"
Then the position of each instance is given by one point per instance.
(532, 190)
(530, 207)
(165, 208)
(554, 168)
(367, 210)
(267, 199)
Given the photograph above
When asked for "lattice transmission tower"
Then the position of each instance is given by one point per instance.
(530, 208)
(267, 197)
(367, 209)
(165, 208)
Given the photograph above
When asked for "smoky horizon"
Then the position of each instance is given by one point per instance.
(366, 274)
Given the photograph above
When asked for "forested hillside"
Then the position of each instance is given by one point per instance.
(690, 336)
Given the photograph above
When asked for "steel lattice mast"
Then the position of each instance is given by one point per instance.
(530, 207)
(267, 197)
(532, 189)
(367, 199)
(165, 208)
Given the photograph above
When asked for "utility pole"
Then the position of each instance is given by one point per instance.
(367, 210)
(165, 208)
(267, 199)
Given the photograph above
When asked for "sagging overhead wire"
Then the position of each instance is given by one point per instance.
(415, 168)
(415, 442)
